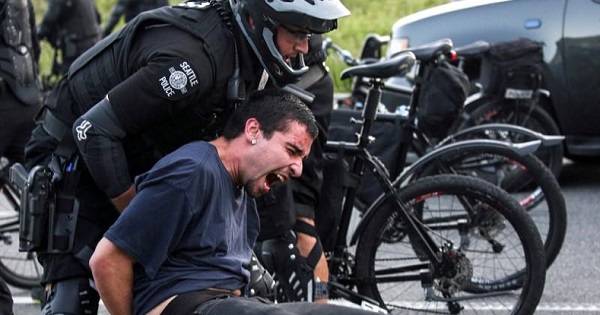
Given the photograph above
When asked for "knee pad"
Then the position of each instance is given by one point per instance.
(293, 274)
(71, 297)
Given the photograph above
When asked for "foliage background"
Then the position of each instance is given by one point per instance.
(368, 16)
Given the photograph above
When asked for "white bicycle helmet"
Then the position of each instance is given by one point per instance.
(314, 16)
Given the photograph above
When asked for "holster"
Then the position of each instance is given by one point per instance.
(47, 218)
(36, 195)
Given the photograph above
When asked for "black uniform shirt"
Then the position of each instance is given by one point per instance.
(172, 83)
(170, 73)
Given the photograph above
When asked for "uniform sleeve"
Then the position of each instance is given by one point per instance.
(164, 80)
(174, 72)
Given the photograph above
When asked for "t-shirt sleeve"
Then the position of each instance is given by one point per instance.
(170, 73)
(163, 211)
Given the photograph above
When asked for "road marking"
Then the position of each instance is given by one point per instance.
(543, 307)
(23, 300)
(569, 307)
(26, 300)
(546, 307)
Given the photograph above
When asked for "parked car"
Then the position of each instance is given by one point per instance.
(570, 32)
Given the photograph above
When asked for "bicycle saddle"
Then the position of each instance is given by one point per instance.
(397, 65)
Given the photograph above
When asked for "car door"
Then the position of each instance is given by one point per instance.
(581, 46)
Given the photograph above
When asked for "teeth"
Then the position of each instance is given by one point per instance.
(281, 178)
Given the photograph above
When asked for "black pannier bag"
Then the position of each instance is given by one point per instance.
(442, 96)
(513, 69)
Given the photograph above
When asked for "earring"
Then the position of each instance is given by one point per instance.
(253, 141)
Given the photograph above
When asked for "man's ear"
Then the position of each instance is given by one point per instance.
(252, 128)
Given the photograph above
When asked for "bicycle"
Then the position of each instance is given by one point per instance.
(440, 262)
(484, 105)
(19, 269)
(520, 103)
(520, 173)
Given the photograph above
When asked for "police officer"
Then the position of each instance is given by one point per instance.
(20, 96)
(169, 76)
(130, 8)
(287, 212)
(71, 27)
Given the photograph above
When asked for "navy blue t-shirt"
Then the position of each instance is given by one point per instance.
(189, 228)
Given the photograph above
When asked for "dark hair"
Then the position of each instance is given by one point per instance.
(274, 109)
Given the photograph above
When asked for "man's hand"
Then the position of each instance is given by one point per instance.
(112, 269)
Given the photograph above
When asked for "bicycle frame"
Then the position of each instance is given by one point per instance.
(12, 225)
(361, 160)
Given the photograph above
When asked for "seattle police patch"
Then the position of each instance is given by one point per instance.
(178, 79)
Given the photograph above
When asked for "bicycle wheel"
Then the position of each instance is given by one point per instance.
(518, 113)
(496, 246)
(19, 269)
(525, 177)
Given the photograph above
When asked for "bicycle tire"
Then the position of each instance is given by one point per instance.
(489, 110)
(19, 269)
(525, 177)
(513, 227)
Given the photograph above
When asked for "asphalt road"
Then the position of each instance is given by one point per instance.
(571, 283)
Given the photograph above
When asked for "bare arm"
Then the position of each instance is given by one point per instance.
(121, 201)
(112, 269)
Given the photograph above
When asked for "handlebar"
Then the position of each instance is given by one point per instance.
(345, 55)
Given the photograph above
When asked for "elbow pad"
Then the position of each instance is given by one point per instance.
(98, 134)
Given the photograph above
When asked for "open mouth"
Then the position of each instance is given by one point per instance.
(274, 178)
